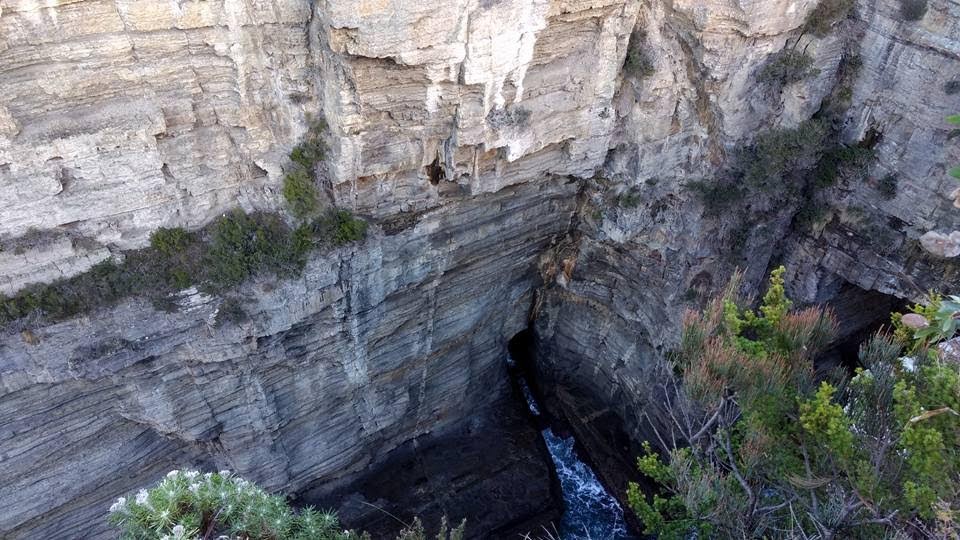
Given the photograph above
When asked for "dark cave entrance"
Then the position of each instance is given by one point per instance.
(435, 172)
(860, 314)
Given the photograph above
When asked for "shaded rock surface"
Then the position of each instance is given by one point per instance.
(379, 348)
(494, 471)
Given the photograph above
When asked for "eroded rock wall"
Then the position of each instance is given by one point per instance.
(482, 122)
(619, 286)
(491, 92)
(454, 126)
(120, 117)
(401, 339)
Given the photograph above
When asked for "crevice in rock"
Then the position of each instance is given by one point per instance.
(552, 402)
(435, 172)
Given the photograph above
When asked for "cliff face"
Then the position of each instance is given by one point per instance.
(623, 281)
(379, 349)
(469, 132)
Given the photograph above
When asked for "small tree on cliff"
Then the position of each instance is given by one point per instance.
(188, 505)
(759, 446)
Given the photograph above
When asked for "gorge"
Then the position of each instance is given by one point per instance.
(568, 170)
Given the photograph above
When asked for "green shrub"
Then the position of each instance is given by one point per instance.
(827, 13)
(300, 193)
(102, 285)
(243, 245)
(170, 241)
(838, 160)
(339, 227)
(180, 279)
(769, 162)
(716, 196)
(887, 186)
(913, 10)
(299, 184)
(852, 64)
(308, 154)
(230, 250)
(759, 444)
(813, 211)
(350, 230)
(638, 63)
(312, 149)
(786, 67)
(187, 504)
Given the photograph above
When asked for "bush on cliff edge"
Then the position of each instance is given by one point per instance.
(757, 444)
(188, 505)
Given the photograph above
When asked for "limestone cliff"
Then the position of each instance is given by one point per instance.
(489, 141)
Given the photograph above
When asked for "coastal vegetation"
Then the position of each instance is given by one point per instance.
(761, 444)
(190, 505)
(230, 250)
(233, 248)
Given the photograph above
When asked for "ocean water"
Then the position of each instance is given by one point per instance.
(591, 513)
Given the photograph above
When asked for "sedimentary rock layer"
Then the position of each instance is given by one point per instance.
(399, 339)
(478, 120)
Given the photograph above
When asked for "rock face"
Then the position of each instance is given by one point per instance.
(471, 131)
(118, 117)
(619, 285)
(384, 348)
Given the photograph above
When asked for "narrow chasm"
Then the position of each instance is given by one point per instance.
(590, 511)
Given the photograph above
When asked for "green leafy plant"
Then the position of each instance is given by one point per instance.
(188, 505)
(776, 154)
(716, 196)
(300, 193)
(243, 245)
(228, 251)
(826, 14)
(756, 444)
(942, 323)
(312, 150)
(339, 227)
(299, 184)
(786, 67)
(919, 315)
(170, 241)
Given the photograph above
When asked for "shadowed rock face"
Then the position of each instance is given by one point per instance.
(469, 130)
(397, 345)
